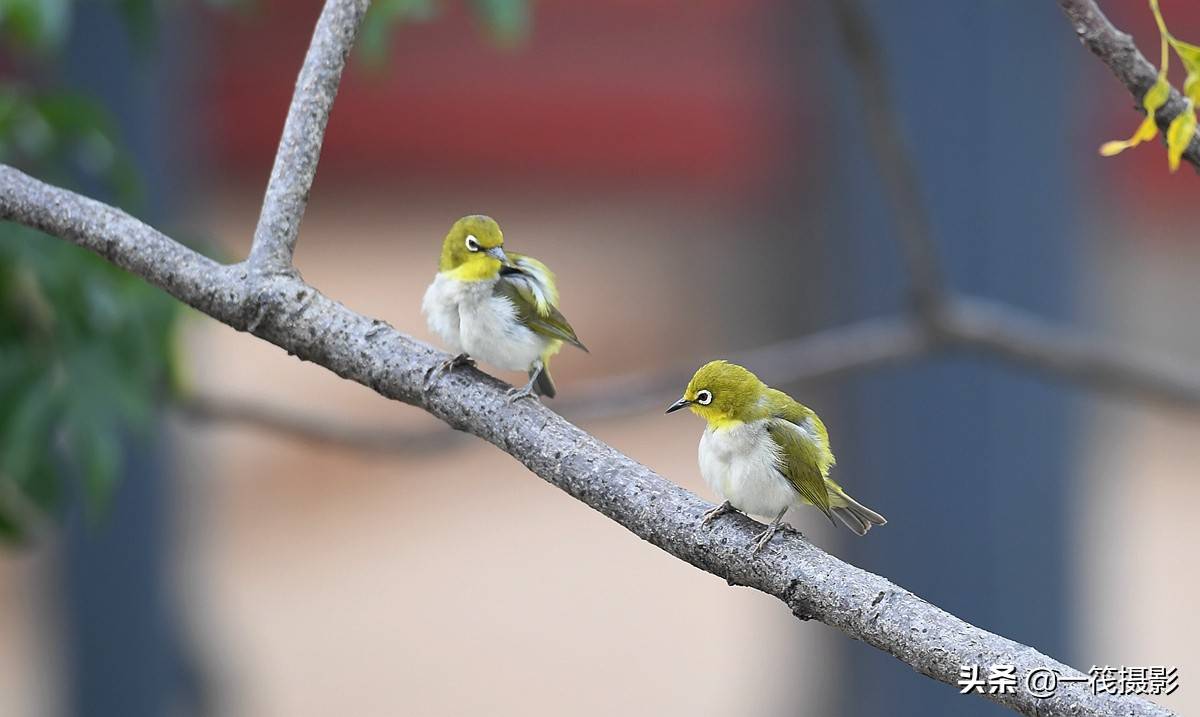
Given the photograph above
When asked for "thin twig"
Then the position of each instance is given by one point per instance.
(821, 356)
(986, 328)
(998, 331)
(321, 429)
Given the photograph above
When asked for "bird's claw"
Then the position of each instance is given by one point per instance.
(711, 515)
(448, 365)
(761, 540)
(516, 394)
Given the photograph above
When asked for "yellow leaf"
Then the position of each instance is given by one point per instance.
(1157, 95)
(1179, 135)
(1191, 87)
(1189, 54)
(1113, 148)
(1145, 131)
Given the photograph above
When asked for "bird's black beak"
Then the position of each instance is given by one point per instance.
(498, 254)
(681, 403)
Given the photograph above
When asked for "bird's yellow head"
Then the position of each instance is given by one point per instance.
(724, 394)
(473, 249)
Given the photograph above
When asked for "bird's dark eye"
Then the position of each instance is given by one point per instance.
(703, 397)
(472, 243)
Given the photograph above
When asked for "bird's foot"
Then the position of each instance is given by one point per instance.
(516, 394)
(448, 365)
(717, 512)
(761, 540)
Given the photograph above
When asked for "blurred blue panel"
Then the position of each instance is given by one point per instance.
(121, 649)
(123, 645)
(968, 459)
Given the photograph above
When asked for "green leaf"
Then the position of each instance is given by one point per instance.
(375, 37)
(508, 21)
(97, 451)
(25, 441)
(141, 17)
(73, 382)
(10, 530)
(39, 25)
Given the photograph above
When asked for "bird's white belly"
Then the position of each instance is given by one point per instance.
(470, 318)
(440, 307)
(739, 466)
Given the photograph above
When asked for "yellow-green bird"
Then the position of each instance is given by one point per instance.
(763, 452)
(501, 308)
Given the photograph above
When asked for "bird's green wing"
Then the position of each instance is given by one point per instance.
(799, 462)
(803, 445)
(781, 405)
(529, 285)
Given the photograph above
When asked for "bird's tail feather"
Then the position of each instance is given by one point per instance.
(856, 516)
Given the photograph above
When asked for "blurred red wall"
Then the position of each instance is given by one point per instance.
(679, 92)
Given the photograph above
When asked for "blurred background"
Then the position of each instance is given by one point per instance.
(700, 177)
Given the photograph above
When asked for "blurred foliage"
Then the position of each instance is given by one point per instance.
(1183, 126)
(86, 350)
(507, 22)
(64, 136)
(35, 24)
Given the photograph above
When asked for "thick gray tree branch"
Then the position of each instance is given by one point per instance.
(303, 132)
(1116, 49)
(283, 309)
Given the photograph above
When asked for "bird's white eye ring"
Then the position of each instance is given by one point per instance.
(472, 243)
(704, 397)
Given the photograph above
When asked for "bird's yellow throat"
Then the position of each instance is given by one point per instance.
(717, 419)
(477, 268)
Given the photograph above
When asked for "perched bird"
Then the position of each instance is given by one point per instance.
(495, 306)
(763, 452)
